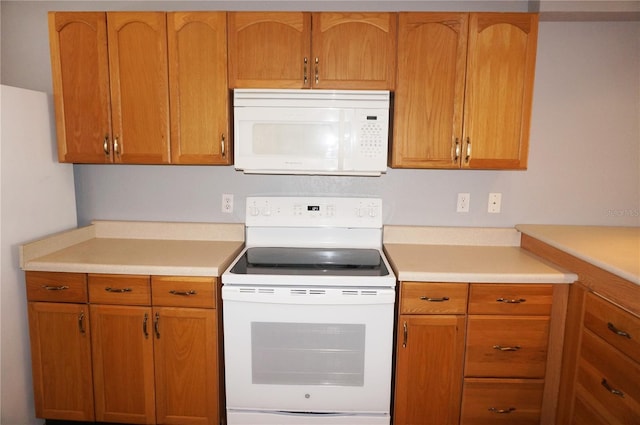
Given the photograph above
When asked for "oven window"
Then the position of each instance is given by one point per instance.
(307, 353)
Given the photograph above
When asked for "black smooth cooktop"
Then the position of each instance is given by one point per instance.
(311, 261)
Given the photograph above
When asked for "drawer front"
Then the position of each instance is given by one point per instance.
(608, 380)
(56, 287)
(613, 324)
(433, 298)
(502, 346)
(119, 289)
(516, 299)
(171, 291)
(496, 401)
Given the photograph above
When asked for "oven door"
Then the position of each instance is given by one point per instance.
(296, 349)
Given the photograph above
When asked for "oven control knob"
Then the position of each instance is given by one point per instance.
(253, 210)
(266, 211)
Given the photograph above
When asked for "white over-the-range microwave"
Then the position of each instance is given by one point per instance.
(292, 131)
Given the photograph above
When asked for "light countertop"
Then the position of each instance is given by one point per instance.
(153, 248)
(614, 249)
(442, 254)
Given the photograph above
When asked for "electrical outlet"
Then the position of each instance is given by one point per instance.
(227, 203)
(495, 201)
(463, 202)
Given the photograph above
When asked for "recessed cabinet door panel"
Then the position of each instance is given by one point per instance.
(122, 348)
(269, 49)
(139, 86)
(186, 364)
(432, 52)
(80, 74)
(499, 89)
(197, 46)
(428, 383)
(61, 361)
(354, 50)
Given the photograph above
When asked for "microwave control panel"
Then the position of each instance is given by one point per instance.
(372, 134)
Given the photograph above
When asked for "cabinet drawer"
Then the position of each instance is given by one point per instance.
(525, 299)
(173, 291)
(119, 289)
(608, 380)
(433, 298)
(616, 326)
(56, 287)
(506, 346)
(501, 401)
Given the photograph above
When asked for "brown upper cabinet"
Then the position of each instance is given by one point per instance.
(113, 76)
(464, 90)
(199, 96)
(328, 50)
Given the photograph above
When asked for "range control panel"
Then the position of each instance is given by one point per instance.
(313, 212)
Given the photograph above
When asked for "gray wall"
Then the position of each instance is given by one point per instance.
(584, 161)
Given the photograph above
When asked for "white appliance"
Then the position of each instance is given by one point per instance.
(338, 132)
(308, 311)
(37, 198)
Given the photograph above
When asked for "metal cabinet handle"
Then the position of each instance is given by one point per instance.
(511, 301)
(456, 146)
(405, 334)
(468, 157)
(501, 348)
(507, 410)
(612, 390)
(55, 288)
(222, 146)
(184, 293)
(305, 76)
(105, 145)
(434, 300)
(617, 331)
(316, 70)
(116, 146)
(156, 325)
(117, 290)
(145, 331)
(81, 323)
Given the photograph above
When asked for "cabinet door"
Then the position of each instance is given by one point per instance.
(80, 74)
(122, 347)
(61, 361)
(186, 366)
(139, 86)
(429, 369)
(269, 49)
(354, 50)
(499, 89)
(197, 45)
(432, 53)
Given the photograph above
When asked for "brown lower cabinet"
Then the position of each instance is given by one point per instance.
(145, 347)
(473, 354)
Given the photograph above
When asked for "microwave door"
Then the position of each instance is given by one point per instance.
(294, 139)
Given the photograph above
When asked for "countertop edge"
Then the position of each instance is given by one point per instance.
(530, 230)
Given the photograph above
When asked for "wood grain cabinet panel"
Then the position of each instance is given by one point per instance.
(80, 76)
(186, 366)
(506, 401)
(506, 346)
(122, 348)
(56, 287)
(312, 50)
(516, 299)
(464, 90)
(119, 289)
(60, 336)
(430, 352)
(183, 291)
(110, 86)
(199, 98)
